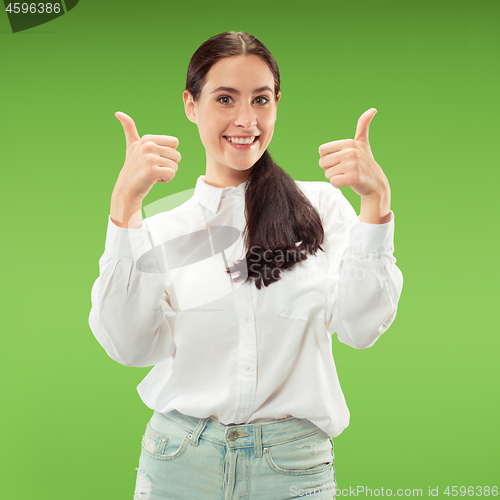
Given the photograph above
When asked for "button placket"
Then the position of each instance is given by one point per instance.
(247, 355)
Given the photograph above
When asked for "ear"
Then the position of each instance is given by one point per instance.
(278, 98)
(189, 105)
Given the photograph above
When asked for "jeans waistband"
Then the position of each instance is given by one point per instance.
(257, 436)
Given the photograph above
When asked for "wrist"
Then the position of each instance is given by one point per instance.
(376, 209)
(125, 212)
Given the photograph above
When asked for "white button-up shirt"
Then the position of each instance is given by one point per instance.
(225, 349)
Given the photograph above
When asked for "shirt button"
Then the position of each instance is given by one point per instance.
(242, 416)
(245, 317)
(247, 366)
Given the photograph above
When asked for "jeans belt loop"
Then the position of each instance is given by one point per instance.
(257, 434)
(198, 430)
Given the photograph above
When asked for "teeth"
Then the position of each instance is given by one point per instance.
(241, 140)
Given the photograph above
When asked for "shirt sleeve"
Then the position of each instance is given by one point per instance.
(131, 315)
(363, 282)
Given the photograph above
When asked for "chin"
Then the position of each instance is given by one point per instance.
(243, 166)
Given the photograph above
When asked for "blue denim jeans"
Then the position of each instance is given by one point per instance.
(184, 457)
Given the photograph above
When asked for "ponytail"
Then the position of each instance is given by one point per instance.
(282, 227)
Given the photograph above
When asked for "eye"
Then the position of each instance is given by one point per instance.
(224, 99)
(261, 100)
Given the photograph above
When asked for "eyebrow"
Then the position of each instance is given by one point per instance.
(237, 92)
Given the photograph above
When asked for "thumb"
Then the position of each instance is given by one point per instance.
(129, 128)
(364, 125)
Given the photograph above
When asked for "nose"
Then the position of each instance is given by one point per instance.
(245, 116)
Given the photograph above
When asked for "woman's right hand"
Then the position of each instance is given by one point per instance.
(149, 159)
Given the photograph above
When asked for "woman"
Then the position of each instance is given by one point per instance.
(234, 295)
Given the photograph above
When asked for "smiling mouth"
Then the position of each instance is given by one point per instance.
(242, 140)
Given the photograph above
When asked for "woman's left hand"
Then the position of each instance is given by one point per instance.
(351, 163)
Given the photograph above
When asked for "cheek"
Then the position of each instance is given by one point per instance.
(268, 121)
(206, 138)
(208, 133)
(268, 127)
(212, 128)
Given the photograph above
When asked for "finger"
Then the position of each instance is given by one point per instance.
(162, 140)
(166, 152)
(364, 125)
(160, 162)
(335, 146)
(330, 160)
(341, 180)
(346, 156)
(165, 174)
(131, 134)
(157, 162)
(334, 171)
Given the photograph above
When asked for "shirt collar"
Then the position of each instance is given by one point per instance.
(210, 196)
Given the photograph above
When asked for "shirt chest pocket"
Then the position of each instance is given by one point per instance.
(301, 292)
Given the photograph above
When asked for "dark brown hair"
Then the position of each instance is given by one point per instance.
(278, 215)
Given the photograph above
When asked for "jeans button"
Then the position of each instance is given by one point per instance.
(233, 435)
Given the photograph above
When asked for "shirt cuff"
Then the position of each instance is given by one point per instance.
(126, 242)
(366, 237)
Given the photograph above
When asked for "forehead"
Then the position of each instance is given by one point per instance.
(240, 72)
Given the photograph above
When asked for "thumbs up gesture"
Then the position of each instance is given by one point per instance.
(149, 159)
(351, 163)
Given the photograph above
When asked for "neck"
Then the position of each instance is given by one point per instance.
(226, 179)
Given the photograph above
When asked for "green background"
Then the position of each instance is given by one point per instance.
(424, 400)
